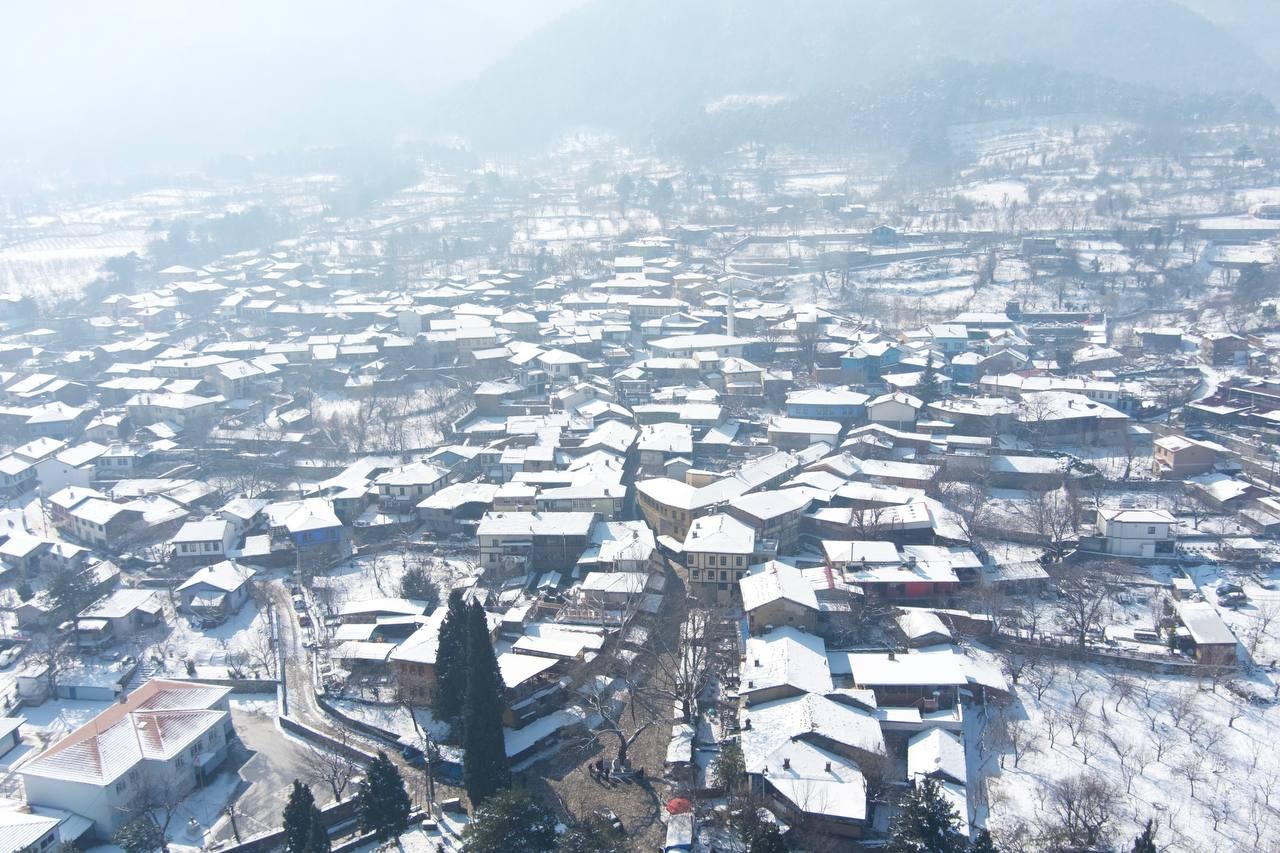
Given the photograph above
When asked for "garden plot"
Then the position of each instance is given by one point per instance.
(242, 643)
(379, 575)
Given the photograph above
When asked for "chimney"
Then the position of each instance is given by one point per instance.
(891, 657)
(786, 764)
(747, 724)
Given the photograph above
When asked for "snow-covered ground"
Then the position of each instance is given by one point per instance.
(245, 635)
(1172, 749)
(378, 575)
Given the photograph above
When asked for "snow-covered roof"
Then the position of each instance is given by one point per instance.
(767, 726)
(936, 752)
(720, 534)
(226, 576)
(1204, 624)
(157, 721)
(917, 668)
(786, 657)
(775, 580)
(816, 781)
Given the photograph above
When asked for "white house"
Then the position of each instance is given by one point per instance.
(1137, 532)
(74, 466)
(168, 736)
(205, 541)
(406, 486)
(897, 410)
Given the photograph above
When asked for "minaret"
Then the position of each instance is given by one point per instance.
(729, 310)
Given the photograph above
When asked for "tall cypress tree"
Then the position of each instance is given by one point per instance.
(484, 764)
(927, 823)
(297, 818)
(318, 840)
(451, 664)
(384, 803)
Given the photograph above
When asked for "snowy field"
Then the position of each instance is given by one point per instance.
(378, 575)
(245, 636)
(1191, 757)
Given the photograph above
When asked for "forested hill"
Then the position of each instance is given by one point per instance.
(638, 66)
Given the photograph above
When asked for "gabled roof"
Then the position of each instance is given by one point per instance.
(773, 581)
(786, 657)
(156, 722)
(226, 576)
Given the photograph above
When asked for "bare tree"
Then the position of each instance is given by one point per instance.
(1054, 722)
(52, 648)
(1220, 805)
(260, 649)
(1122, 688)
(969, 501)
(154, 801)
(333, 767)
(1183, 705)
(1086, 602)
(623, 719)
(1042, 676)
(1191, 767)
(1052, 518)
(1185, 503)
(1081, 810)
(1013, 735)
(685, 661)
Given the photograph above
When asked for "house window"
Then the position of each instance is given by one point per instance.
(180, 762)
(737, 561)
(195, 749)
(1151, 531)
(120, 786)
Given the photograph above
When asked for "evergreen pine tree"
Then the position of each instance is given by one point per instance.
(451, 664)
(926, 823)
(484, 762)
(297, 818)
(318, 840)
(592, 834)
(768, 840)
(928, 389)
(384, 803)
(982, 843)
(511, 822)
(1146, 841)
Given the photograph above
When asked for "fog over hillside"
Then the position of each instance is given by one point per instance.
(145, 82)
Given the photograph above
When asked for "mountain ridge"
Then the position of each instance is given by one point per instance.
(595, 64)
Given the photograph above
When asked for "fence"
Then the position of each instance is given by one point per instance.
(1071, 651)
(330, 815)
(315, 736)
(359, 725)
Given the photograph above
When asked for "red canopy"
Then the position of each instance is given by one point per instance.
(679, 805)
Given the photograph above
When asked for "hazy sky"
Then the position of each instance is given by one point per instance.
(132, 80)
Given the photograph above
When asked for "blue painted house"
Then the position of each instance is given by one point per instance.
(867, 362)
(831, 404)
